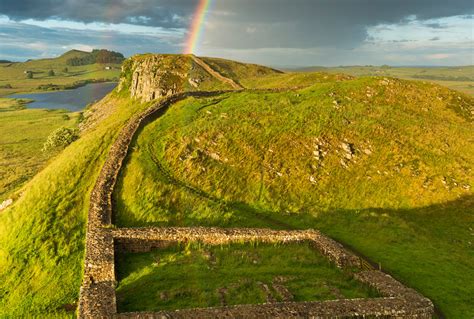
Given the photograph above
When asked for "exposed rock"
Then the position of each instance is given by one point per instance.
(164, 295)
(222, 296)
(348, 149)
(268, 293)
(215, 156)
(6, 203)
(152, 77)
(280, 288)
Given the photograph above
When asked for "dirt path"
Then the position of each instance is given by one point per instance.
(216, 74)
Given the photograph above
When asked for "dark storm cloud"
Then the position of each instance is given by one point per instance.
(306, 16)
(308, 23)
(168, 14)
(435, 25)
(238, 25)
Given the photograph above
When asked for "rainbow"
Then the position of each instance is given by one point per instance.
(197, 24)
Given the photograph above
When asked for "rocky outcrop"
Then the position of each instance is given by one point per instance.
(151, 77)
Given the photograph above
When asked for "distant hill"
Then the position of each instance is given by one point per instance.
(96, 56)
(71, 69)
(460, 78)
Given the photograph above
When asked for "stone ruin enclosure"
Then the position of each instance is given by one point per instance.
(97, 294)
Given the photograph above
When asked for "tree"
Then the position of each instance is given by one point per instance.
(51, 73)
(66, 70)
(29, 75)
(61, 137)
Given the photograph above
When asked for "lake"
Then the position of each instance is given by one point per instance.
(72, 100)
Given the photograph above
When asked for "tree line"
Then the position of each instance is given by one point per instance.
(97, 56)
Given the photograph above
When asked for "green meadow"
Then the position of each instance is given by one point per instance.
(42, 235)
(23, 133)
(193, 275)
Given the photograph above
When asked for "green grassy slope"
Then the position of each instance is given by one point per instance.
(383, 165)
(23, 133)
(13, 74)
(458, 78)
(42, 235)
(201, 276)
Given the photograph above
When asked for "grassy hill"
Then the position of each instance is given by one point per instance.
(459, 78)
(383, 165)
(23, 131)
(13, 76)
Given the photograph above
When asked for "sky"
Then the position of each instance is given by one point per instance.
(285, 33)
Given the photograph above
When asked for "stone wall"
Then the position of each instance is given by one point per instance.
(99, 260)
(343, 308)
(97, 295)
(215, 236)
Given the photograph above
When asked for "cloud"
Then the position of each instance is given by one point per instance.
(436, 25)
(316, 23)
(22, 41)
(439, 56)
(142, 12)
(306, 28)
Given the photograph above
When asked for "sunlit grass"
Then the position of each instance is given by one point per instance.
(23, 133)
(201, 276)
(248, 159)
(42, 235)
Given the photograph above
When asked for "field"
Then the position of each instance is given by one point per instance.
(13, 78)
(199, 276)
(23, 133)
(456, 78)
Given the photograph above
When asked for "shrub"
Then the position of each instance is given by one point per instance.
(29, 75)
(51, 73)
(61, 137)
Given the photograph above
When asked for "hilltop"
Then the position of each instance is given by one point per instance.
(381, 164)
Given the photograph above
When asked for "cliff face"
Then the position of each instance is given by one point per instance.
(150, 77)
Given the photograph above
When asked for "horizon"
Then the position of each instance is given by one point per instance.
(302, 33)
(282, 67)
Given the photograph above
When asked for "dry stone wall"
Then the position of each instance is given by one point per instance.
(343, 308)
(97, 295)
